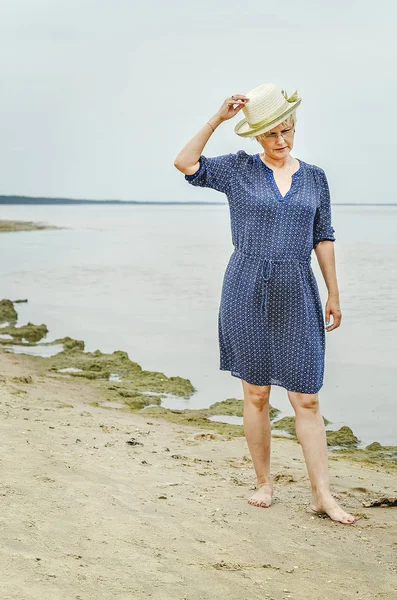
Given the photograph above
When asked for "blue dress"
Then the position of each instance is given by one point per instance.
(271, 324)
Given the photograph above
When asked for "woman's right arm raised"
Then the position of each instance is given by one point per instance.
(187, 160)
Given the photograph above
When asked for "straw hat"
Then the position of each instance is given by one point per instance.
(267, 107)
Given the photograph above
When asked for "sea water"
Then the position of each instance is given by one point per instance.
(147, 279)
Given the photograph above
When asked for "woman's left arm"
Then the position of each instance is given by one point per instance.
(326, 259)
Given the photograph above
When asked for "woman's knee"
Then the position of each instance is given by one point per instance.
(304, 401)
(256, 395)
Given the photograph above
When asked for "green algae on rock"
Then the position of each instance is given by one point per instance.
(234, 407)
(342, 437)
(93, 365)
(133, 399)
(10, 226)
(288, 424)
(30, 332)
(374, 454)
(97, 365)
(375, 446)
(195, 418)
(69, 344)
(142, 400)
(200, 418)
(230, 407)
(8, 314)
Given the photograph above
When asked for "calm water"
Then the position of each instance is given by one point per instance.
(147, 280)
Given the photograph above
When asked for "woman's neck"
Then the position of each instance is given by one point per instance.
(281, 163)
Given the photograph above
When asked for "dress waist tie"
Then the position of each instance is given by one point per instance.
(267, 270)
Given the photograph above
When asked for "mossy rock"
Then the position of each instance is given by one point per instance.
(8, 314)
(94, 361)
(122, 392)
(92, 375)
(343, 437)
(70, 344)
(288, 424)
(14, 341)
(374, 455)
(235, 407)
(138, 401)
(231, 407)
(155, 381)
(6, 342)
(377, 449)
(194, 418)
(30, 332)
(121, 355)
(132, 398)
(374, 447)
(200, 418)
(97, 365)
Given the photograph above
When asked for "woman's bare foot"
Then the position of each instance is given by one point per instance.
(262, 496)
(328, 505)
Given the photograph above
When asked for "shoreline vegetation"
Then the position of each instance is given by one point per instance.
(122, 383)
(106, 494)
(12, 226)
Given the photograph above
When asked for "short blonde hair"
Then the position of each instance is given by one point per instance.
(290, 120)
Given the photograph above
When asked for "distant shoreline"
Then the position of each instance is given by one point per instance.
(18, 200)
(32, 201)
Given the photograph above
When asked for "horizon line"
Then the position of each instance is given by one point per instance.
(24, 200)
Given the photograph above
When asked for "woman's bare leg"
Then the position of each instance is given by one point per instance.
(310, 432)
(257, 431)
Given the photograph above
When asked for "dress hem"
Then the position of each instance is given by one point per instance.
(272, 381)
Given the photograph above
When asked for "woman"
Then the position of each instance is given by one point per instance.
(271, 325)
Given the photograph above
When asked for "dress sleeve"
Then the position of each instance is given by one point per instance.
(322, 228)
(215, 173)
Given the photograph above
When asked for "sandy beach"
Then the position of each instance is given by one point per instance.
(134, 297)
(103, 502)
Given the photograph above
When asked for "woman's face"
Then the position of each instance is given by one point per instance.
(279, 141)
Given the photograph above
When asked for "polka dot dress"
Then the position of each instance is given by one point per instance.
(271, 324)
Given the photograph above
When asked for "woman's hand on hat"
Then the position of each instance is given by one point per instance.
(228, 109)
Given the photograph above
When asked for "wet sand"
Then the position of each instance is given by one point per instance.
(98, 501)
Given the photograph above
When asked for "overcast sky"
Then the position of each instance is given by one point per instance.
(98, 96)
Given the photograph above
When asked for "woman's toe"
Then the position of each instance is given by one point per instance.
(350, 519)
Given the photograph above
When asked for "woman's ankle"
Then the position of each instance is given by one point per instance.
(264, 481)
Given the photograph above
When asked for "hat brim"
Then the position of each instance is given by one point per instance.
(244, 129)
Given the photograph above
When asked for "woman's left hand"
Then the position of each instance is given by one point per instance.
(332, 307)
